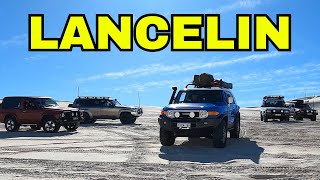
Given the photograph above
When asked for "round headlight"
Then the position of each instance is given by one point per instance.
(63, 115)
(282, 111)
(170, 114)
(203, 114)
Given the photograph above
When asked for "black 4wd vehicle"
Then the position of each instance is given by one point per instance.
(274, 107)
(303, 110)
(207, 110)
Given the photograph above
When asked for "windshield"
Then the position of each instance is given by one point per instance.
(45, 102)
(306, 106)
(199, 96)
(116, 103)
(274, 103)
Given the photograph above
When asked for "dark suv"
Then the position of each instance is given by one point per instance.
(37, 112)
(304, 111)
(207, 110)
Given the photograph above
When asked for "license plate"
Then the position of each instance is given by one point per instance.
(309, 114)
(184, 125)
(75, 118)
(277, 114)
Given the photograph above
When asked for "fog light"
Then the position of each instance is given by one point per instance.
(192, 114)
(176, 114)
(205, 123)
(164, 122)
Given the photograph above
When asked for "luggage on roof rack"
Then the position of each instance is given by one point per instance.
(206, 80)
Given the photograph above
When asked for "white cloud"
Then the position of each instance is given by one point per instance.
(141, 87)
(166, 68)
(35, 57)
(237, 4)
(14, 41)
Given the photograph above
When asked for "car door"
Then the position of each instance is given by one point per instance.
(109, 109)
(231, 109)
(31, 113)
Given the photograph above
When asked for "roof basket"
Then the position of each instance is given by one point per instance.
(278, 97)
(93, 97)
(206, 80)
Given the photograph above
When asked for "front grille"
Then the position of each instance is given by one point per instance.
(70, 114)
(186, 114)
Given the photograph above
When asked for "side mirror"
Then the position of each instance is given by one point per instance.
(230, 100)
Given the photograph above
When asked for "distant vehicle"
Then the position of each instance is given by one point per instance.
(106, 108)
(274, 107)
(304, 111)
(207, 110)
(37, 112)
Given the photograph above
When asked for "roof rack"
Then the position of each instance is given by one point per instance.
(205, 80)
(93, 97)
(279, 97)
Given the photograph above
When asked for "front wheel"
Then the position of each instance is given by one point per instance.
(127, 118)
(50, 126)
(11, 124)
(265, 119)
(86, 118)
(314, 118)
(235, 132)
(166, 137)
(72, 127)
(220, 135)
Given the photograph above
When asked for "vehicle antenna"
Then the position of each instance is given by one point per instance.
(78, 91)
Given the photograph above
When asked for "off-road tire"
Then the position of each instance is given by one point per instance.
(300, 118)
(261, 117)
(11, 124)
(72, 127)
(86, 118)
(286, 119)
(166, 137)
(50, 125)
(235, 132)
(314, 118)
(127, 118)
(220, 135)
(35, 127)
(265, 119)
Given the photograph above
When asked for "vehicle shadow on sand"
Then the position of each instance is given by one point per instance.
(202, 151)
(32, 133)
(284, 122)
(109, 124)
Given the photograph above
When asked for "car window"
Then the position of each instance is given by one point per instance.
(29, 105)
(11, 103)
(199, 96)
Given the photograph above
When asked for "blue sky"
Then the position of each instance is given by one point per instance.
(123, 74)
